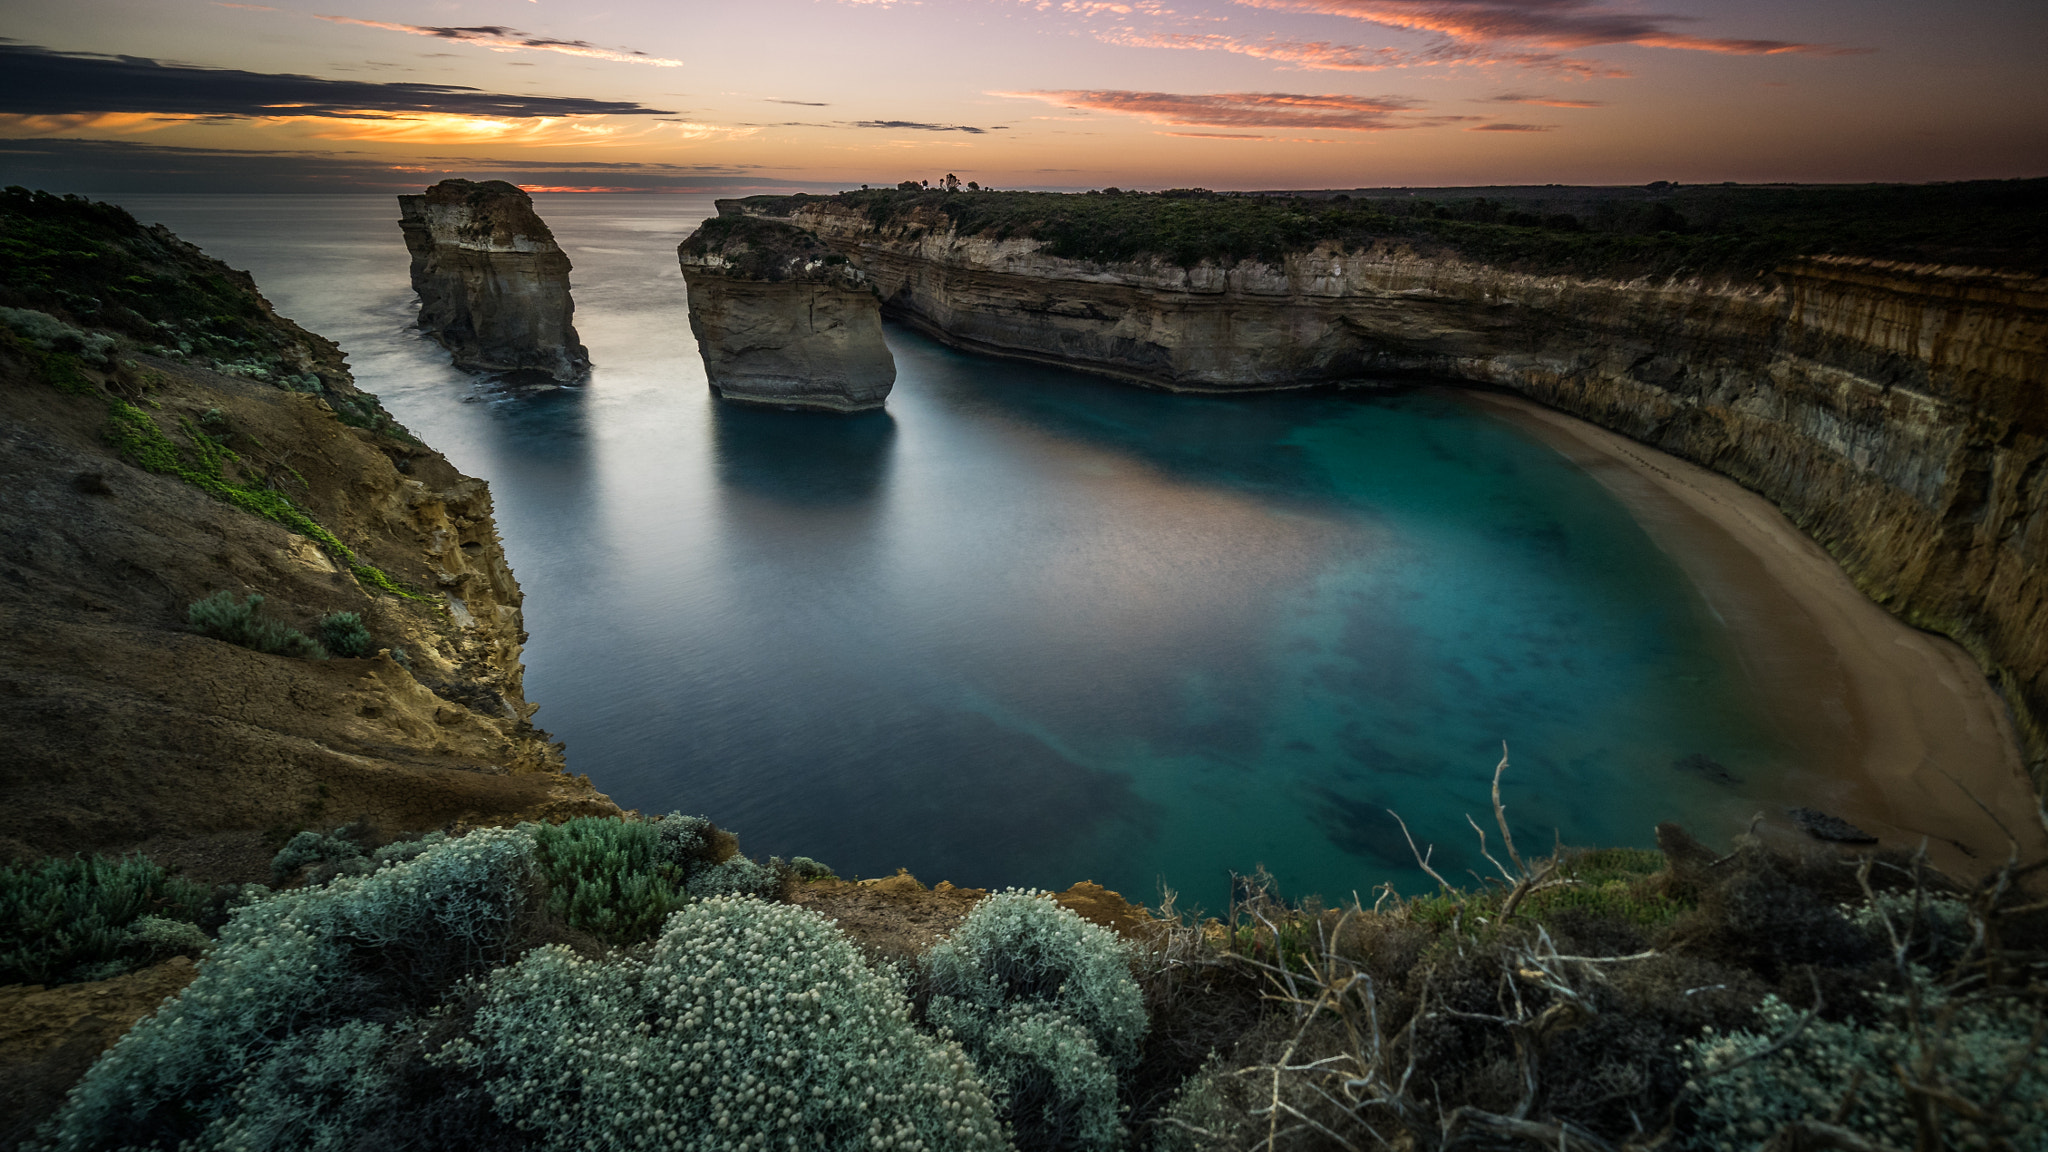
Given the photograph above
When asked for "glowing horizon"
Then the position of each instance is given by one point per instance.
(636, 95)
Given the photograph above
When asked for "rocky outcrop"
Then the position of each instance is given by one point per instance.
(493, 284)
(126, 729)
(782, 320)
(1898, 413)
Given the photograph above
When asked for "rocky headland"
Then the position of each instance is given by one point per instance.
(1894, 410)
(781, 319)
(492, 282)
(154, 459)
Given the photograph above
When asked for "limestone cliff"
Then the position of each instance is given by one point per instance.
(140, 480)
(1898, 413)
(782, 320)
(493, 284)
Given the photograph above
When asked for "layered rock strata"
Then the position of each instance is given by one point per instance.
(782, 320)
(1898, 413)
(493, 284)
(126, 728)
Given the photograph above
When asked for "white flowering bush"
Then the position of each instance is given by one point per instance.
(287, 969)
(1983, 1052)
(1058, 1089)
(1045, 1003)
(749, 1026)
(737, 876)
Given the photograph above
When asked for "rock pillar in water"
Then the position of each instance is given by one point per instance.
(493, 284)
(782, 320)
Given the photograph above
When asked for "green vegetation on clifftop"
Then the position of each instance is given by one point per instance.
(1728, 230)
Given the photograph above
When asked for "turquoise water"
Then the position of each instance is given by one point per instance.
(1030, 626)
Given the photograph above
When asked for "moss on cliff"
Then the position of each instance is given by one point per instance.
(1726, 230)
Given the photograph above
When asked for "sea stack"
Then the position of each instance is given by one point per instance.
(493, 284)
(783, 320)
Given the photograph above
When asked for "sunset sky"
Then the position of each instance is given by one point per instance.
(683, 95)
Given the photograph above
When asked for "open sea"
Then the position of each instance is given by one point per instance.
(1029, 627)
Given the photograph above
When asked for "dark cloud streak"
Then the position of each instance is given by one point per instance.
(37, 81)
(919, 126)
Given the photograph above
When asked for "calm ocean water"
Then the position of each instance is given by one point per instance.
(1029, 626)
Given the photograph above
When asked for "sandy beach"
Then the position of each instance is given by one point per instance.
(1896, 730)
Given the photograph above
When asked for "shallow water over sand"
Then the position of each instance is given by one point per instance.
(1028, 626)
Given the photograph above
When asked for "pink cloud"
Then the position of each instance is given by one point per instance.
(1542, 23)
(1326, 112)
(1326, 56)
(1509, 128)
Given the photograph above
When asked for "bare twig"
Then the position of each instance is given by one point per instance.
(1420, 859)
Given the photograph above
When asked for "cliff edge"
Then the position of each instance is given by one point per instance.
(493, 284)
(1894, 410)
(155, 459)
(783, 320)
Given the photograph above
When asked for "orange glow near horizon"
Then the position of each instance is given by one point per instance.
(630, 94)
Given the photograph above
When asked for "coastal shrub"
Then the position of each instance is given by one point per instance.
(736, 876)
(344, 635)
(336, 848)
(242, 623)
(315, 1091)
(1200, 1117)
(287, 970)
(89, 917)
(53, 335)
(1056, 1088)
(749, 1025)
(616, 879)
(159, 937)
(806, 868)
(1020, 947)
(1045, 1004)
(1850, 1074)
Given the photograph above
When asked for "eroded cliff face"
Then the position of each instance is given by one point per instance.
(493, 284)
(126, 729)
(1898, 413)
(781, 320)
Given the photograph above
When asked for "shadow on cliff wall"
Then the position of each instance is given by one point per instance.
(802, 459)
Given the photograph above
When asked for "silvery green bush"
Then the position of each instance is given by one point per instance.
(288, 970)
(749, 1025)
(1982, 1051)
(1045, 1004)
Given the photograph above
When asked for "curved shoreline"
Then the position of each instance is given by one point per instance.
(1899, 730)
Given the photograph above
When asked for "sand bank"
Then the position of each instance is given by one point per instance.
(1896, 730)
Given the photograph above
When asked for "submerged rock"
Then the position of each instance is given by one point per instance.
(493, 284)
(782, 320)
(1822, 826)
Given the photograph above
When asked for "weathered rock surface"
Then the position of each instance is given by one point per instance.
(493, 284)
(1898, 413)
(128, 730)
(782, 320)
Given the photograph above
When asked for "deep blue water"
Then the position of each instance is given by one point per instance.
(1030, 626)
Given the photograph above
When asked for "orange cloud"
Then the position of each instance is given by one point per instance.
(499, 38)
(1327, 112)
(1544, 23)
(63, 124)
